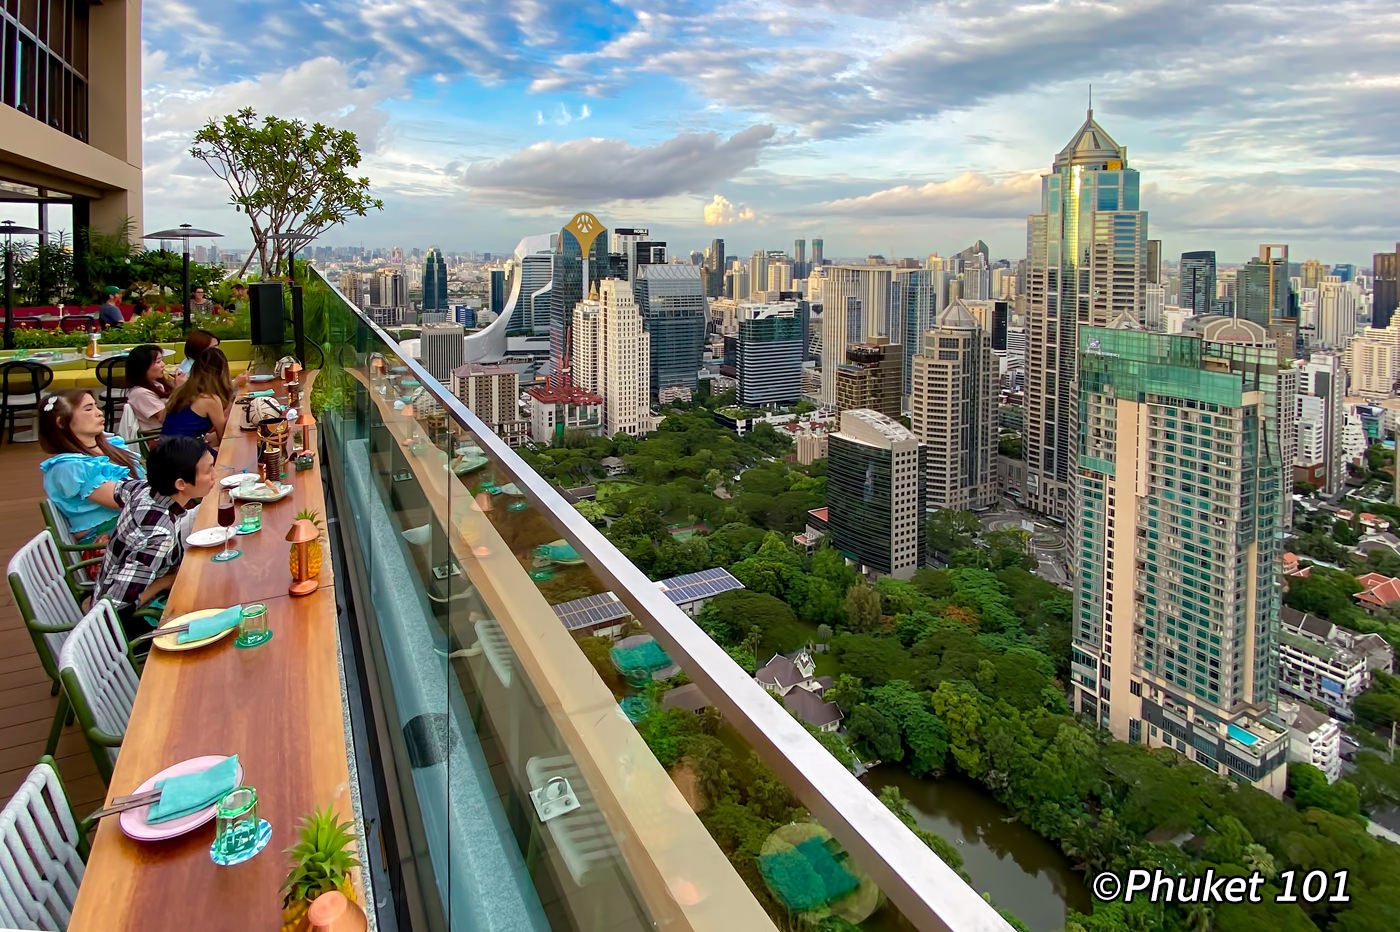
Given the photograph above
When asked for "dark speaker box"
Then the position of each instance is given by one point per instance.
(267, 315)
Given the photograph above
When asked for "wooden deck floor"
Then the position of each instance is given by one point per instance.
(26, 708)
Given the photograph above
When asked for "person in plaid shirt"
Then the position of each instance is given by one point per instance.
(147, 544)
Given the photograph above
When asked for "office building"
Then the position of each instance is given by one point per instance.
(1320, 412)
(1155, 298)
(1265, 295)
(872, 377)
(1177, 535)
(1385, 286)
(434, 283)
(799, 258)
(1338, 312)
(493, 394)
(919, 295)
(874, 497)
(1197, 274)
(673, 306)
(496, 291)
(1086, 265)
(858, 305)
(444, 349)
(768, 358)
(612, 357)
(818, 244)
(1154, 262)
(388, 289)
(574, 274)
(953, 411)
(70, 115)
(1311, 274)
(715, 264)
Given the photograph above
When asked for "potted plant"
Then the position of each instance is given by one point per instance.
(321, 862)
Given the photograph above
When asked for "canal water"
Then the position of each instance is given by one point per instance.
(1023, 872)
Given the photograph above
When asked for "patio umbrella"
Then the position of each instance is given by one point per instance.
(184, 233)
(10, 229)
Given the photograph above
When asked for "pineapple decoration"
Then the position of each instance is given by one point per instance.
(321, 862)
(304, 562)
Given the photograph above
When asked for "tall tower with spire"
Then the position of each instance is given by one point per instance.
(1086, 264)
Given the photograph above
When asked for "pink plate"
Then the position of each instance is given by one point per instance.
(134, 823)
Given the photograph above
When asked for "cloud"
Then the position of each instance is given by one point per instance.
(970, 194)
(597, 170)
(561, 116)
(720, 212)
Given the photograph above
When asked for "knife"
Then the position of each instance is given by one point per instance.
(122, 804)
(161, 632)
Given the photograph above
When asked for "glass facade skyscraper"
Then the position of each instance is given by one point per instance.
(1197, 272)
(569, 285)
(1086, 265)
(671, 299)
(434, 283)
(875, 501)
(768, 359)
(918, 295)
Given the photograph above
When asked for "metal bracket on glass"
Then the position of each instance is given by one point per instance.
(444, 570)
(554, 799)
(403, 475)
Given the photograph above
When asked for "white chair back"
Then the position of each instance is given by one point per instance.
(95, 652)
(36, 576)
(41, 865)
(129, 427)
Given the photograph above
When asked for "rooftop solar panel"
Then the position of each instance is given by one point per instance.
(692, 586)
(590, 610)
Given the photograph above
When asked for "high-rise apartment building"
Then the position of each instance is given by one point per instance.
(493, 394)
(768, 358)
(1197, 274)
(953, 411)
(673, 305)
(918, 293)
(1155, 304)
(1086, 265)
(70, 112)
(434, 283)
(612, 357)
(1178, 536)
(875, 502)
(1319, 414)
(872, 377)
(858, 304)
(1312, 273)
(1385, 286)
(779, 275)
(1338, 312)
(444, 349)
(1373, 361)
(574, 274)
(388, 289)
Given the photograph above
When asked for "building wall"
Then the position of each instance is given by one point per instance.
(953, 413)
(857, 306)
(874, 498)
(871, 378)
(769, 360)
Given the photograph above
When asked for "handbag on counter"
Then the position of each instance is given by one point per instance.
(256, 411)
(283, 364)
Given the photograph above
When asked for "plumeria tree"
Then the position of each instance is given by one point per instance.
(292, 181)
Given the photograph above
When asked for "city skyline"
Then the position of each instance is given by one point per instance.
(519, 116)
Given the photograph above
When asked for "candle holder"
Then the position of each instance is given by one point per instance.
(305, 421)
(301, 536)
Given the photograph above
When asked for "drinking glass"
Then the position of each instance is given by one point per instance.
(251, 517)
(252, 626)
(238, 833)
(227, 515)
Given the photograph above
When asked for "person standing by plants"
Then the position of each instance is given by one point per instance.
(199, 304)
(110, 314)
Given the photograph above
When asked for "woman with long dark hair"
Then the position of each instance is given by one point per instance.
(149, 385)
(87, 465)
(199, 408)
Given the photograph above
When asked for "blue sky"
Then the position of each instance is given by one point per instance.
(881, 125)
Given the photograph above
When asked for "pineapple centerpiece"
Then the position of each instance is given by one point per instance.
(321, 862)
(313, 549)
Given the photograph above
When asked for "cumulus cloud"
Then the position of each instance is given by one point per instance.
(599, 170)
(560, 116)
(720, 212)
(970, 194)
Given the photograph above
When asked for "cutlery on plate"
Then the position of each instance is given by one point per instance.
(123, 803)
(161, 632)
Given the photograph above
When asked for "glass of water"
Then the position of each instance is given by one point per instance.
(238, 833)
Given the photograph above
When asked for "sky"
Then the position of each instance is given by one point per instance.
(883, 126)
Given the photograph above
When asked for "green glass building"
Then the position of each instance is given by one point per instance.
(1178, 528)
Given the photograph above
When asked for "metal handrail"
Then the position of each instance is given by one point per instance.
(925, 889)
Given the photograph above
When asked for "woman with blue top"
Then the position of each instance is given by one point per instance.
(199, 407)
(87, 465)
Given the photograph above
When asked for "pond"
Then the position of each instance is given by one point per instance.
(1022, 871)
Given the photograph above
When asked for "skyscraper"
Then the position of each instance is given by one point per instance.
(768, 357)
(1154, 262)
(435, 284)
(918, 292)
(497, 291)
(817, 244)
(715, 263)
(758, 273)
(857, 305)
(571, 282)
(799, 258)
(871, 377)
(676, 313)
(1180, 499)
(443, 349)
(1086, 265)
(1385, 291)
(1265, 295)
(1338, 307)
(952, 411)
(1312, 273)
(612, 357)
(874, 501)
(1197, 271)
(1321, 413)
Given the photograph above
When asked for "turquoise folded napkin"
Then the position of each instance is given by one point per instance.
(202, 628)
(265, 393)
(191, 792)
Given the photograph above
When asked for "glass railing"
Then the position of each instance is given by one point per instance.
(514, 790)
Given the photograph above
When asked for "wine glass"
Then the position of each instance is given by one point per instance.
(228, 514)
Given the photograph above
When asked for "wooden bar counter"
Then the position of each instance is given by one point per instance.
(277, 706)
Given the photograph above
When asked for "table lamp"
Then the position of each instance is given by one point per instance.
(301, 536)
(305, 421)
